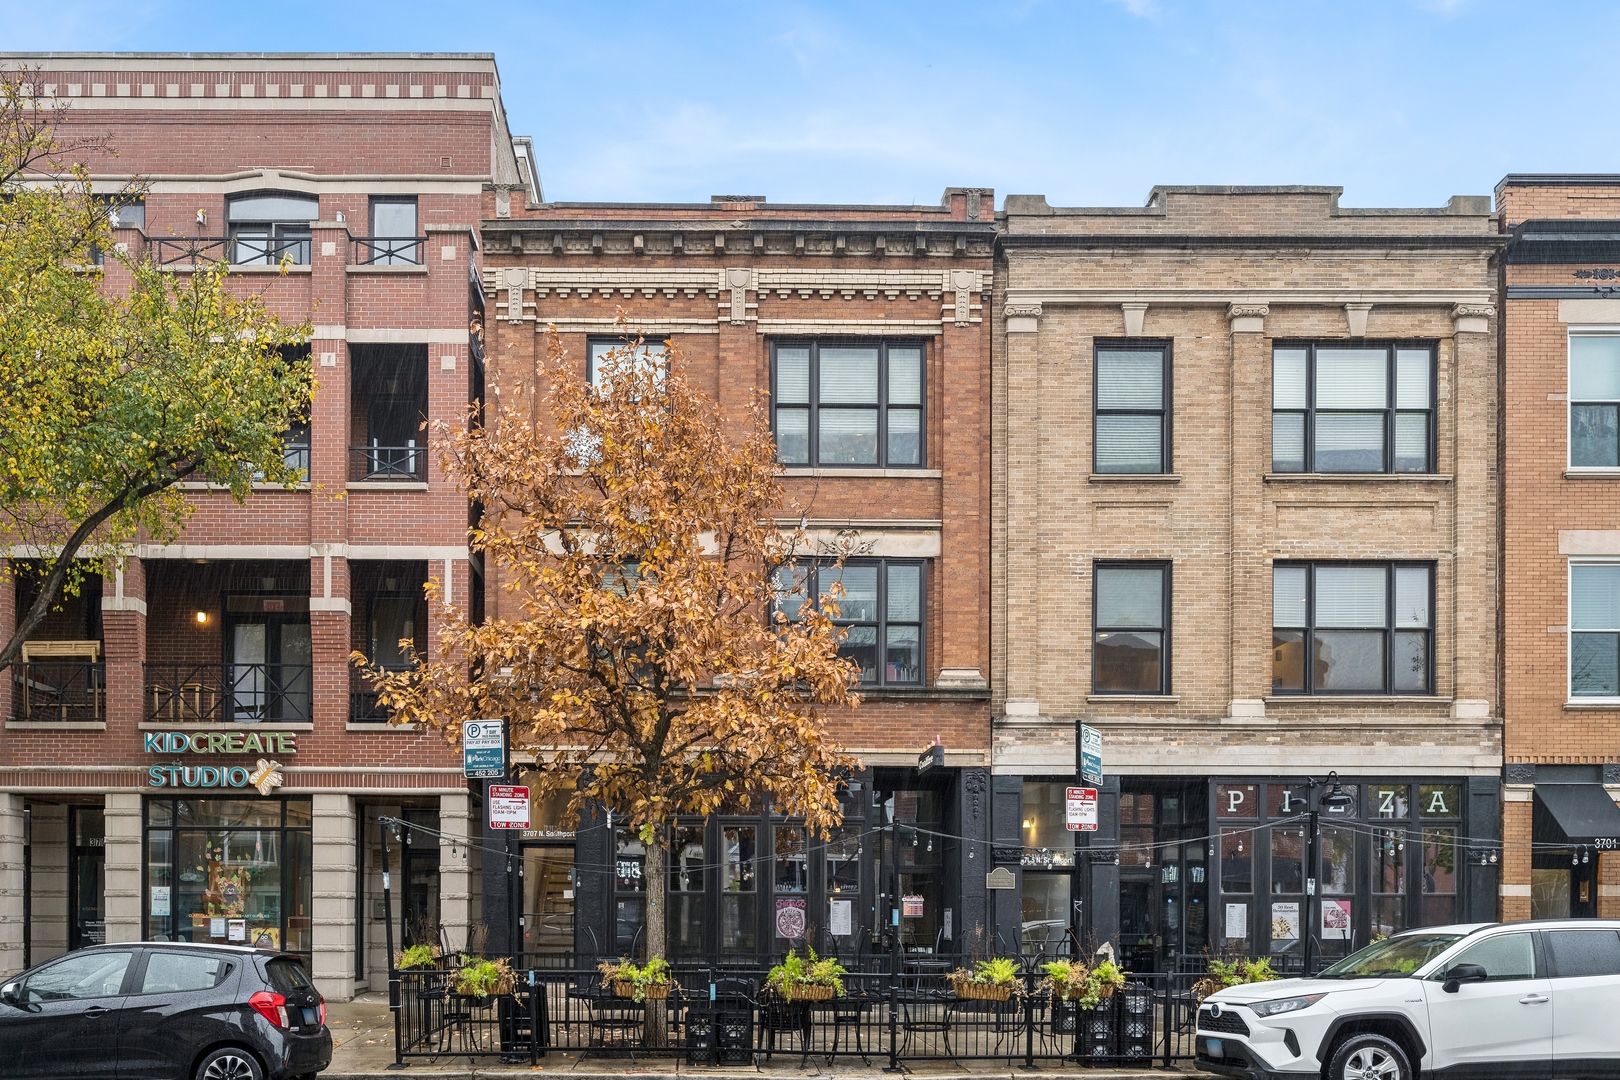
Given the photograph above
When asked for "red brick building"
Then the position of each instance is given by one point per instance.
(866, 325)
(1560, 476)
(136, 727)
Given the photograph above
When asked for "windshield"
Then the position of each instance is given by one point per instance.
(1392, 958)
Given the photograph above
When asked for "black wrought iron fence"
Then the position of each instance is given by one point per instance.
(399, 463)
(59, 690)
(388, 250)
(245, 693)
(727, 1016)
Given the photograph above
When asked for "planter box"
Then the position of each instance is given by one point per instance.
(625, 989)
(983, 991)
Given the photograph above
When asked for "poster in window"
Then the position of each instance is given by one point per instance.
(911, 906)
(841, 917)
(1285, 921)
(160, 899)
(1237, 921)
(790, 919)
(1335, 920)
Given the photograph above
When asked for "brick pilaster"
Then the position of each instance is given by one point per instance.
(123, 634)
(1250, 665)
(330, 612)
(8, 626)
(1516, 828)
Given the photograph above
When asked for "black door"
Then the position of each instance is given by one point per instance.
(166, 1016)
(66, 1026)
(87, 922)
(271, 659)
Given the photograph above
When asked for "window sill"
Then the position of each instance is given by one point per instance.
(258, 725)
(1140, 478)
(1358, 699)
(370, 268)
(1590, 704)
(190, 485)
(924, 693)
(386, 485)
(791, 471)
(1146, 699)
(56, 725)
(377, 726)
(261, 268)
(1357, 478)
(1592, 474)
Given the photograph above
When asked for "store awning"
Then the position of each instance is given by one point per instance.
(1582, 813)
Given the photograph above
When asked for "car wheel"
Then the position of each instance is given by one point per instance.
(1369, 1057)
(229, 1063)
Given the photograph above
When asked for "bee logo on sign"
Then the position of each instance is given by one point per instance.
(1080, 809)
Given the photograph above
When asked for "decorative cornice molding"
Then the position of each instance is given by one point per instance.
(1247, 311)
(1472, 318)
(1022, 318)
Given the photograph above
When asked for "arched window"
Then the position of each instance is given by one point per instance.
(269, 226)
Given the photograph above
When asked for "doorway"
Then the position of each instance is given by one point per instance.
(1163, 886)
(270, 658)
(87, 873)
(548, 901)
(1563, 887)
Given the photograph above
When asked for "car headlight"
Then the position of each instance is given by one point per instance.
(1285, 1005)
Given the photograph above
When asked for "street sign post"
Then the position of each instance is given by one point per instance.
(483, 749)
(508, 807)
(1090, 755)
(1080, 809)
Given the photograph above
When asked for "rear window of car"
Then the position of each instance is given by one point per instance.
(168, 973)
(287, 975)
(1578, 953)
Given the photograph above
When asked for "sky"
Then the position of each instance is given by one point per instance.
(1089, 102)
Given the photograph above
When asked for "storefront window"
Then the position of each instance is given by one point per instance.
(229, 871)
(737, 888)
(686, 888)
(1439, 876)
(1047, 840)
(1046, 913)
(1237, 801)
(629, 891)
(1388, 881)
(1237, 861)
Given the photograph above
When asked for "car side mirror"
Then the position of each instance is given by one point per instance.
(1461, 973)
(11, 993)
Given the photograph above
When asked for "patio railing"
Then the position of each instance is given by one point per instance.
(726, 1016)
(398, 463)
(59, 690)
(244, 693)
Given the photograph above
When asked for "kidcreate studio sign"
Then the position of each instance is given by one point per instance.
(264, 774)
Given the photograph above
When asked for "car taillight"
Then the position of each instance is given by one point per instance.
(323, 1012)
(271, 1006)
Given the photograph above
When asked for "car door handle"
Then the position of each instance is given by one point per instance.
(1534, 999)
(96, 1010)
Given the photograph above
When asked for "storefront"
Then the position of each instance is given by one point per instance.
(1575, 833)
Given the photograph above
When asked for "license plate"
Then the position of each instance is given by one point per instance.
(1216, 1048)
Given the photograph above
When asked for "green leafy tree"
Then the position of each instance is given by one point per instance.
(109, 401)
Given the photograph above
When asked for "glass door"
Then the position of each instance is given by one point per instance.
(548, 900)
(88, 922)
(271, 659)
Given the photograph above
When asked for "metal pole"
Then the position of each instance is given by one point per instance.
(1311, 901)
(388, 938)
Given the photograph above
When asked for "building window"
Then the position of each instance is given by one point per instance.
(1594, 630)
(1594, 402)
(1352, 410)
(881, 612)
(1132, 421)
(269, 227)
(650, 353)
(1131, 620)
(848, 403)
(1352, 628)
(393, 240)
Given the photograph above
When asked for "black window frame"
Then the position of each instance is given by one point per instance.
(1165, 412)
(393, 250)
(1389, 629)
(812, 587)
(1166, 568)
(1391, 347)
(882, 406)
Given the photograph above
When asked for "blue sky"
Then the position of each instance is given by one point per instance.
(1090, 102)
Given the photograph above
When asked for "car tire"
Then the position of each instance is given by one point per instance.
(229, 1063)
(1369, 1057)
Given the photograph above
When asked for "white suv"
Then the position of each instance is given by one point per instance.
(1531, 999)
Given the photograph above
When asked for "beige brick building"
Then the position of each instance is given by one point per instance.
(1560, 345)
(1245, 525)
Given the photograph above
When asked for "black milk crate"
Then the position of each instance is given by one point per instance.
(1136, 1022)
(1099, 1029)
(1065, 1017)
(734, 1037)
(700, 1049)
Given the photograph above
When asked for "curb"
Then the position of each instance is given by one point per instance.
(735, 1074)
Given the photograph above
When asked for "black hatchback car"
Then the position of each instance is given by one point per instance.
(164, 1011)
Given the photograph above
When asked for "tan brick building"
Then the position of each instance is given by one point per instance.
(126, 758)
(868, 325)
(1245, 525)
(1560, 349)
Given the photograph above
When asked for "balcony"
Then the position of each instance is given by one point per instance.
(228, 693)
(60, 689)
(407, 464)
(387, 250)
(238, 250)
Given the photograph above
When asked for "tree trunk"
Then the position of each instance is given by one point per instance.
(657, 1027)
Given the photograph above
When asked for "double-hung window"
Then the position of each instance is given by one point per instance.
(1594, 401)
(1594, 630)
(1366, 409)
(880, 613)
(1131, 432)
(649, 355)
(848, 403)
(1130, 650)
(1352, 628)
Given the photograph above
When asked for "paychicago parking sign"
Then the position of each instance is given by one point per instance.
(483, 749)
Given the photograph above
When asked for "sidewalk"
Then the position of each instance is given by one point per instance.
(363, 1048)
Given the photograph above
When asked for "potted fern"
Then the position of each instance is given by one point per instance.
(640, 982)
(987, 980)
(483, 979)
(417, 956)
(1080, 986)
(1234, 973)
(807, 978)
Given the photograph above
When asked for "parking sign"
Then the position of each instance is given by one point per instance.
(1080, 809)
(483, 749)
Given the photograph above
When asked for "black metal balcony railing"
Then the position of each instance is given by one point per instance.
(190, 249)
(240, 251)
(60, 690)
(400, 463)
(364, 708)
(241, 693)
(388, 250)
